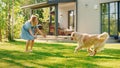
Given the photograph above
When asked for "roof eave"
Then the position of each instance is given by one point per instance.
(38, 5)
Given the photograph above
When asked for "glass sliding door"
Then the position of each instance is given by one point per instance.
(110, 18)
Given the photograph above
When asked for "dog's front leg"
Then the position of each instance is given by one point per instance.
(78, 48)
(90, 51)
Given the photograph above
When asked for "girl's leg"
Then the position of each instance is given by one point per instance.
(27, 45)
(31, 45)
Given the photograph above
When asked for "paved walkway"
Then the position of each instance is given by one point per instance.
(51, 38)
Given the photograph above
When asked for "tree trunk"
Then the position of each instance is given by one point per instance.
(9, 26)
(13, 20)
(0, 36)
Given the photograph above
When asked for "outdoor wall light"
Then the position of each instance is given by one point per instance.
(95, 7)
(86, 5)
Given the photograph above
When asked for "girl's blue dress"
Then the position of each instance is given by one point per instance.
(25, 31)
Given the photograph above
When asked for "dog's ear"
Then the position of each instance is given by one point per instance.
(73, 34)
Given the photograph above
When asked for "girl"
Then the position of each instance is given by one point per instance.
(28, 32)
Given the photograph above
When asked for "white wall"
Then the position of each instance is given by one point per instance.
(63, 9)
(88, 19)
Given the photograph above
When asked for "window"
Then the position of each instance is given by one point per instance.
(109, 18)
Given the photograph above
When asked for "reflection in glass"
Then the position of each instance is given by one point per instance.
(104, 8)
(113, 7)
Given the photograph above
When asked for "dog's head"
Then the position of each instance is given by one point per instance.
(74, 36)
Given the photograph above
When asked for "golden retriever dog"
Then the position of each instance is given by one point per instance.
(93, 42)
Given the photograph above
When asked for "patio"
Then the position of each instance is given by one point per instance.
(61, 38)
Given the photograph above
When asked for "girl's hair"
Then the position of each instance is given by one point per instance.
(34, 20)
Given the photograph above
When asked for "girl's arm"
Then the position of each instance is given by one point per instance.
(40, 32)
(30, 31)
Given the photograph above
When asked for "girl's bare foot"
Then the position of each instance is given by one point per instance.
(26, 51)
(30, 51)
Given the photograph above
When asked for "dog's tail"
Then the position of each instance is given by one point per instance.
(102, 38)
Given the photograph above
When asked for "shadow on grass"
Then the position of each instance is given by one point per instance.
(15, 63)
(70, 64)
(112, 52)
(106, 57)
(11, 57)
(16, 55)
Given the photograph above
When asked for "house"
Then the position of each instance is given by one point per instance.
(85, 16)
(97, 16)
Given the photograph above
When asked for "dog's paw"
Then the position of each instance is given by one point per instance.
(75, 51)
(91, 54)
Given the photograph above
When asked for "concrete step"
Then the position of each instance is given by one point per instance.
(112, 40)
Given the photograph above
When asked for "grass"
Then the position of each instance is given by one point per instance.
(56, 55)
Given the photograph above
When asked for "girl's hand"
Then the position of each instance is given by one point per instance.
(35, 36)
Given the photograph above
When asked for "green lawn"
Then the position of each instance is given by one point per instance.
(56, 55)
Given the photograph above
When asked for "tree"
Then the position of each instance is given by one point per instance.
(2, 19)
(12, 17)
